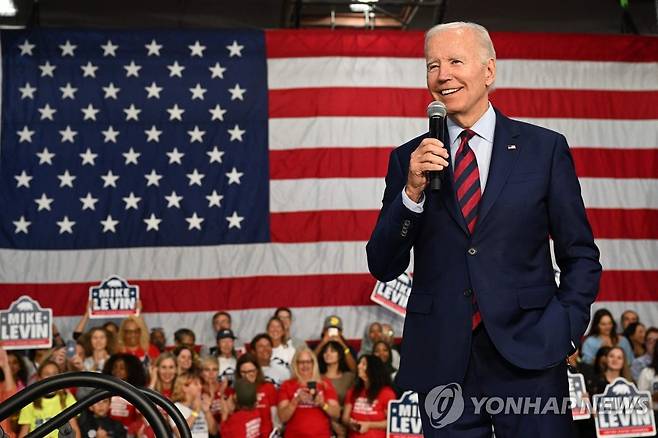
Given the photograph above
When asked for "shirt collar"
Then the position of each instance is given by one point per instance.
(484, 127)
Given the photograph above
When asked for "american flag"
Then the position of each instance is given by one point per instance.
(243, 170)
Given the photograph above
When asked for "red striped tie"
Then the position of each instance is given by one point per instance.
(467, 185)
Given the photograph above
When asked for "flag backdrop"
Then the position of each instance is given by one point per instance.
(243, 170)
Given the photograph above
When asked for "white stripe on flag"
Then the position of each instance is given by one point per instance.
(620, 193)
(336, 71)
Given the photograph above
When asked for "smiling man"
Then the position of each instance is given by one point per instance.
(485, 318)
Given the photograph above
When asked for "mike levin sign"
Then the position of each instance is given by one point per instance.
(623, 411)
(113, 298)
(26, 325)
(404, 417)
(394, 294)
(580, 408)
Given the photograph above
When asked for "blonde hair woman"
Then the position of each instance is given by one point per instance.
(194, 405)
(163, 374)
(133, 338)
(307, 402)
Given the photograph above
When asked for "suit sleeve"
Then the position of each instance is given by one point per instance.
(397, 226)
(576, 254)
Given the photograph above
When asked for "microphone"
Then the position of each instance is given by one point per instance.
(436, 111)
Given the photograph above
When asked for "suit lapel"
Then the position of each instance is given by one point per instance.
(503, 159)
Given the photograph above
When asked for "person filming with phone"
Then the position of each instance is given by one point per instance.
(332, 330)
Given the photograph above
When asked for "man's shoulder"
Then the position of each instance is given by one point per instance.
(525, 128)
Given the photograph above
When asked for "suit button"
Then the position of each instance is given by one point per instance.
(468, 292)
(472, 251)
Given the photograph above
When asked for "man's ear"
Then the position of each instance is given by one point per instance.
(490, 73)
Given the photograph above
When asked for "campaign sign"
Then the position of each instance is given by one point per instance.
(25, 325)
(623, 411)
(580, 408)
(393, 295)
(404, 417)
(113, 298)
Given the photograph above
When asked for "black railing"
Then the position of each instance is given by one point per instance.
(144, 400)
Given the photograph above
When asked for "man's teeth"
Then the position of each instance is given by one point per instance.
(448, 91)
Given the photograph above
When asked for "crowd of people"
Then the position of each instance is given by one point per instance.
(274, 385)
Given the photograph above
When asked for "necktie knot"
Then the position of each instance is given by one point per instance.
(466, 135)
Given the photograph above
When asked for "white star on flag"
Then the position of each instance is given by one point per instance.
(109, 179)
(109, 224)
(109, 49)
(43, 202)
(68, 49)
(173, 200)
(65, 225)
(195, 177)
(47, 112)
(88, 157)
(176, 69)
(68, 134)
(45, 156)
(175, 113)
(234, 220)
(152, 223)
(214, 199)
(237, 92)
(89, 70)
(132, 69)
(27, 91)
(47, 69)
(152, 134)
(194, 222)
(217, 71)
(25, 135)
(198, 92)
(26, 48)
(196, 135)
(236, 133)
(132, 113)
(90, 112)
(153, 90)
(23, 180)
(215, 155)
(175, 156)
(235, 49)
(131, 201)
(110, 135)
(153, 48)
(153, 179)
(217, 113)
(66, 179)
(234, 176)
(89, 202)
(111, 91)
(197, 49)
(131, 156)
(21, 225)
(68, 92)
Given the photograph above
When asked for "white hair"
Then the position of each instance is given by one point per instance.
(480, 32)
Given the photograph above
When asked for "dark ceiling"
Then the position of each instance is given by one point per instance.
(589, 16)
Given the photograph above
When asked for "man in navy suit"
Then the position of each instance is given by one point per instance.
(485, 311)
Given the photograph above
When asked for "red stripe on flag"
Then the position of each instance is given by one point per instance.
(509, 45)
(412, 102)
(325, 226)
(615, 163)
(623, 224)
(266, 292)
(329, 163)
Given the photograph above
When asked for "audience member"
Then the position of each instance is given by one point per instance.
(640, 363)
(603, 332)
(384, 352)
(128, 368)
(274, 371)
(163, 374)
(388, 336)
(186, 359)
(628, 317)
(211, 386)
(158, 339)
(133, 338)
(333, 366)
(240, 417)
(184, 336)
(194, 405)
(112, 328)
(98, 349)
(648, 379)
(96, 423)
(18, 366)
(221, 320)
(307, 402)
(366, 404)
(266, 397)
(285, 315)
(332, 330)
(615, 366)
(281, 350)
(635, 333)
(7, 389)
(226, 355)
(46, 407)
(373, 333)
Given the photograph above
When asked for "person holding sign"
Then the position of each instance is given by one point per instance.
(366, 403)
(614, 366)
(485, 311)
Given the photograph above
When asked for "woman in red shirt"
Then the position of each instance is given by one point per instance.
(366, 403)
(266, 396)
(307, 402)
(163, 374)
(133, 339)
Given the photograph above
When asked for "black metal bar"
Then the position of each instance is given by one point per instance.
(170, 408)
(144, 405)
(63, 417)
(384, 3)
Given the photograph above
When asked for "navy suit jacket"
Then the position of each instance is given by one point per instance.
(532, 195)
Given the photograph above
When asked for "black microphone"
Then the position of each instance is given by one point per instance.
(436, 111)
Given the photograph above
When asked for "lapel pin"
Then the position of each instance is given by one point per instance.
(511, 147)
